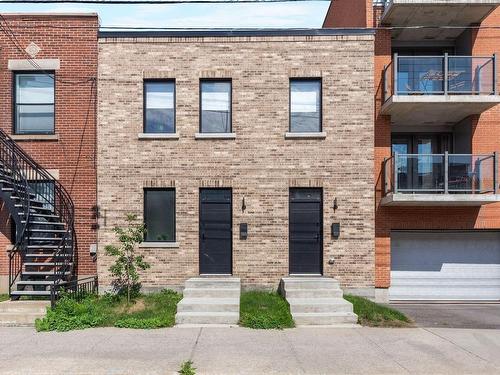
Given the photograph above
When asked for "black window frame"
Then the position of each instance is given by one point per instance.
(15, 103)
(53, 188)
(200, 111)
(145, 190)
(302, 79)
(158, 80)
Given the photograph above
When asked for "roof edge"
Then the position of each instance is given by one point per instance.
(49, 14)
(234, 32)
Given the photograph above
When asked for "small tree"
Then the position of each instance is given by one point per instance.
(125, 269)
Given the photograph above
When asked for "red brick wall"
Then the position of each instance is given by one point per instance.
(348, 13)
(72, 40)
(485, 139)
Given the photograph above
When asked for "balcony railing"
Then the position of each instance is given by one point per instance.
(441, 174)
(440, 75)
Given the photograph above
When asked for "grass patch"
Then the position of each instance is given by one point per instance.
(4, 297)
(156, 310)
(264, 310)
(187, 368)
(374, 315)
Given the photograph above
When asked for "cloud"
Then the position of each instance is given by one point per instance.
(278, 15)
(223, 15)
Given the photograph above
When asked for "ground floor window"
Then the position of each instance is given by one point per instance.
(44, 191)
(159, 215)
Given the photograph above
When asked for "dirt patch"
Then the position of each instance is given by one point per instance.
(135, 306)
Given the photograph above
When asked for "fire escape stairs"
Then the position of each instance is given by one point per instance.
(43, 256)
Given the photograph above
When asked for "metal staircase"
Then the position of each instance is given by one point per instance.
(43, 257)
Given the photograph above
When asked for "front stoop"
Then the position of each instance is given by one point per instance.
(210, 301)
(21, 313)
(317, 301)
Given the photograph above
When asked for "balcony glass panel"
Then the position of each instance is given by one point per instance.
(422, 75)
(470, 174)
(440, 75)
(470, 75)
(426, 174)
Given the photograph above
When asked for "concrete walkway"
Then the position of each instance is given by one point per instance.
(243, 351)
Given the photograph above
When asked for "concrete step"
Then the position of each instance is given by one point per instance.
(312, 293)
(211, 292)
(338, 318)
(207, 317)
(21, 307)
(213, 282)
(319, 305)
(317, 301)
(310, 283)
(19, 319)
(42, 293)
(209, 305)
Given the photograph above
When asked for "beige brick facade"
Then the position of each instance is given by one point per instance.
(260, 165)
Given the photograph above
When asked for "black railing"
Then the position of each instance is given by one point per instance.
(440, 75)
(23, 172)
(76, 289)
(441, 174)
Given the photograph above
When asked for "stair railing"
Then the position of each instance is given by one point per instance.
(25, 171)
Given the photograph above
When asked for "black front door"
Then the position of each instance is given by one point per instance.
(215, 231)
(306, 231)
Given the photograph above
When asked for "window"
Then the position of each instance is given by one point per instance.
(305, 105)
(34, 103)
(159, 215)
(215, 106)
(44, 191)
(159, 107)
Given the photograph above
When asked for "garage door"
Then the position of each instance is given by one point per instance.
(445, 266)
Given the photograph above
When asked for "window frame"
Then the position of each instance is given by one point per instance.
(53, 188)
(144, 101)
(15, 103)
(200, 110)
(145, 190)
(301, 79)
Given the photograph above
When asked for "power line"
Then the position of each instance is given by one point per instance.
(118, 27)
(122, 2)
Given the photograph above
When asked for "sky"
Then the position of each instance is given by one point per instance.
(271, 15)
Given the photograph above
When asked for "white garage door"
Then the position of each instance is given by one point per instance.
(445, 266)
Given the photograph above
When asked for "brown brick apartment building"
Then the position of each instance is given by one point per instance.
(48, 72)
(437, 220)
(245, 152)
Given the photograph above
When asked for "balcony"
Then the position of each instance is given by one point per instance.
(438, 90)
(440, 180)
(456, 13)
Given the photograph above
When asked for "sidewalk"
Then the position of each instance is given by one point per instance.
(244, 351)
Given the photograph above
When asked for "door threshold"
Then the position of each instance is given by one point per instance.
(215, 274)
(306, 274)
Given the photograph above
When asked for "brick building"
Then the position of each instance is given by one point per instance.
(245, 152)
(437, 219)
(48, 72)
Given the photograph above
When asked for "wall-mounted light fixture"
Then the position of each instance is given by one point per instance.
(335, 230)
(335, 205)
(243, 205)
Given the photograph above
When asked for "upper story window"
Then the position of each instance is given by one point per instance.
(215, 106)
(34, 103)
(159, 215)
(305, 105)
(159, 106)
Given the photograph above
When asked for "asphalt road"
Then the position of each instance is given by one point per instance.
(244, 351)
(478, 316)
